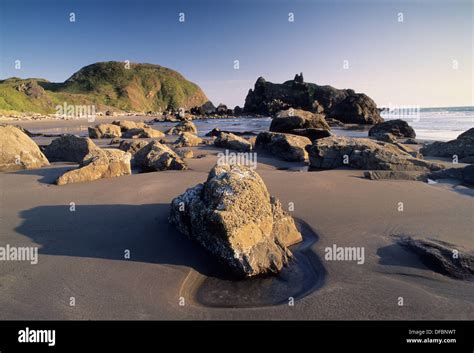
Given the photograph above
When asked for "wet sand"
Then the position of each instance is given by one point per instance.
(82, 252)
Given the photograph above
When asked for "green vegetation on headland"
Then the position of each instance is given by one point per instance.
(107, 85)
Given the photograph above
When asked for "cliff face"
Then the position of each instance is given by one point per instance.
(342, 104)
(108, 85)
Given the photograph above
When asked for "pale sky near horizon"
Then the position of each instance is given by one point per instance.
(425, 60)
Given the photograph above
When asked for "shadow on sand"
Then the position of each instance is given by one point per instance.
(107, 231)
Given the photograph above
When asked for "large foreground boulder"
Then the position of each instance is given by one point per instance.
(291, 119)
(232, 142)
(363, 153)
(234, 217)
(99, 164)
(398, 128)
(69, 148)
(18, 151)
(442, 257)
(103, 131)
(156, 157)
(462, 147)
(285, 146)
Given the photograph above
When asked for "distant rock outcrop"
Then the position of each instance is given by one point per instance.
(345, 105)
(19, 151)
(233, 216)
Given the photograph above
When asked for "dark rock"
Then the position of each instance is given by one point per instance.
(398, 128)
(345, 105)
(216, 131)
(356, 108)
(465, 174)
(442, 257)
(395, 175)
(462, 146)
(312, 133)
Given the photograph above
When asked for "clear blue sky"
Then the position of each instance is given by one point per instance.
(398, 63)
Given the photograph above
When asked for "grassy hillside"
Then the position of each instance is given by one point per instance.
(141, 87)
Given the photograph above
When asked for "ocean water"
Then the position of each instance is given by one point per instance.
(439, 124)
(431, 124)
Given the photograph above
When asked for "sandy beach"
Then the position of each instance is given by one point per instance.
(81, 253)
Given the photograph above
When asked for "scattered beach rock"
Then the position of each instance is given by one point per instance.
(234, 217)
(19, 151)
(126, 125)
(465, 174)
(147, 132)
(156, 156)
(398, 128)
(99, 164)
(363, 153)
(334, 123)
(69, 148)
(184, 153)
(184, 126)
(187, 139)
(288, 120)
(232, 142)
(312, 133)
(285, 146)
(441, 256)
(132, 147)
(385, 137)
(103, 131)
(395, 175)
(216, 131)
(462, 146)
